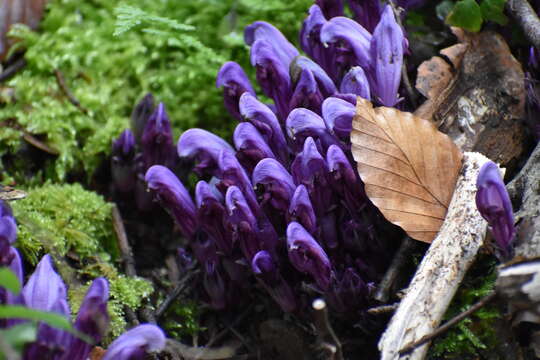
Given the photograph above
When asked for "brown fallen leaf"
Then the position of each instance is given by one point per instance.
(478, 101)
(408, 167)
(27, 12)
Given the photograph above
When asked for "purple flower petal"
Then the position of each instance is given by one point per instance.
(303, 123)
(260, 116)
(122, 161)
(135, 343)
(301, 210)
(277, 184)
(204, 147)
(261, 30)
(331, 8)
(338, 115)
(243, 222)
(140, 115)
(350, 33)
(214, 284)
(387, 58)
(324, 82)
(493, 202)
(355, 82)
(235, 82)
(366, 12)
(307, 256)
(250, 145)
(174, 197)
(272, 75)
(306, 93)
(344, 180)
(8, 233)
(157, 140)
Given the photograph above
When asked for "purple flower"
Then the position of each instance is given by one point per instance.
(307, 256)
(235, 82)
(366, 12)
(301, 210)
(140, 115)
(8, 233)
(303, 123)
(276, 182)
(204, 147)
(174, 197)
(135, 343)
(349, 292)
(331, 8)
(261, 30)
(211, 213)
(338, 115)
(324, 82)
(46, 291)
(92, 319)
(386, 51)
(306, 93)
(250, 145)
(344, 179)
(266, 122)
(272, 75)
(354, 40)
(157, 140)
(267, 272)
(122, 161)
(494, 204)
(355, 82)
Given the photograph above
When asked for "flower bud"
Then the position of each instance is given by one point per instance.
(157, 141)
(234, 81)
(250, 145)
(140, 115)
(135, 343)
(338, 115)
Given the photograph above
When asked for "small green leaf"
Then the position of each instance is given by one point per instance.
(9, 281)
(19, 335)
(466, 14)
(493, 10)
(443, 9)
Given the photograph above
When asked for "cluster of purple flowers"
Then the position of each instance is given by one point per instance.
(45, 290)
(286, 206)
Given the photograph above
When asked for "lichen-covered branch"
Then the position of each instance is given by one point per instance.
(526, 17)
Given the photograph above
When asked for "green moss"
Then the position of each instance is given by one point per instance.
(181, 320)
(475, 334)
(108, 73)
(64, 218)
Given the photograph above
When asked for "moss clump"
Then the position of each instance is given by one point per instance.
(62, 219)
(108, 73)
(476, 334)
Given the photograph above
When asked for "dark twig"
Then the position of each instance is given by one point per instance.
(182, 284)
(526, 17)
(236, 321)
(72, 99)
(383, 309)
(396, 267)
(29, 138)
(444, 328)
(325, 330)
(123, 243)
(404, 75)
(12, 69)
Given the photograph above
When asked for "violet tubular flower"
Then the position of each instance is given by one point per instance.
(306, 93)
(136, 343)
(303, 123)
(203, 147)
(250, 145)
(366, 12)
(234, 81)
(276, 183)
(266, 122)
(331, 8)
(387, 47)
(140, 115)
(301, 210)
(307, 256)
(8, 233)
(338, 115)
(123, 161)
(174, 197)
(261, 30)
(325, 84)
(355, 82)
(157, 140)
(493, 203)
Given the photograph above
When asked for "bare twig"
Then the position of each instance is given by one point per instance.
(29, 138)
(404, 75)
(444, 328)
(324, 329)
(526, 17)
(72, 99)
(383, 309)
(12, 69)
(202, 353)
(182, 284)
(236, 321)
(400, 259)
(123, 243)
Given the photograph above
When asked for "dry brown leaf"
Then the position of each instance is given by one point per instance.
(408, 167)
(27, 12)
